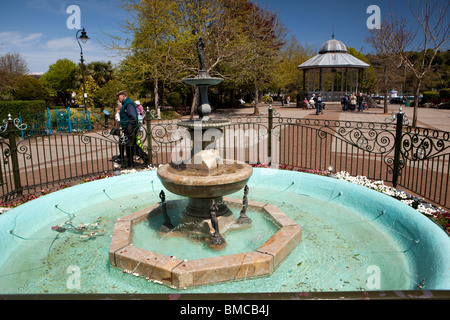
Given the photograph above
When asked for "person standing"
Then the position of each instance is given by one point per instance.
(359, 101)
(117, 131)
(140, 112)
(312, 101)
(306, 104)
(318, 101)
(352, 102)
(129, 123)
(345, 103)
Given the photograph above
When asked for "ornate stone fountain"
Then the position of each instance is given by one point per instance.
(205, 179)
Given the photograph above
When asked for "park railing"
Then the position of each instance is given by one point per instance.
(414, 159)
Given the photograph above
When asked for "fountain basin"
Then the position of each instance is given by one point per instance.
(204, 125)
(226, 179)
(179, 273)
(202, 81)
(343, 234)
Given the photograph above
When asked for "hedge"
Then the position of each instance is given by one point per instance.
(23, 108)
(444, 94)
(431, 96)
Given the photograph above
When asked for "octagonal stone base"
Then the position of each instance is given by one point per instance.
(181, 274)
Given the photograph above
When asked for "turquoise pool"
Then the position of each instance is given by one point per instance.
(353, 239)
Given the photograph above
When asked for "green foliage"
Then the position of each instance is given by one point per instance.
(287, 78)
(102, 72)
(444, 94)
(29, 88)
(22, 108)
(174, 99)
(369, 80)
(431, 96)
(91, 91)
(105, 97)
(169, 114)
(60, 79)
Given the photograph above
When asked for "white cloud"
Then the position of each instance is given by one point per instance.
(13, 38)
(40, 53)
(62, 43)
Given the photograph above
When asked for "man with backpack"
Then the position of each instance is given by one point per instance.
(318, 102)
(345, 103)
(130, 126)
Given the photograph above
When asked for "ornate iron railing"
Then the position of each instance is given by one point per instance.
(416, 159)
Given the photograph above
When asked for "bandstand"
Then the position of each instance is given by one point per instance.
(333, 72)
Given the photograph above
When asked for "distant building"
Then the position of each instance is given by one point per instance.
(36, 75)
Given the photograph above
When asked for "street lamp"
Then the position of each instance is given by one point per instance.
(84, 38)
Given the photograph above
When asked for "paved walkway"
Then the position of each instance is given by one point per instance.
(427, 117)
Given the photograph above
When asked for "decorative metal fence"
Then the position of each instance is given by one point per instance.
(415, 159)
(68, 120)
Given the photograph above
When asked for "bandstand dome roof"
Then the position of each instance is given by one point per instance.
(333, 54)
(333, 45)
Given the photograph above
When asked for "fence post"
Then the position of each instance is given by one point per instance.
(148, 120)
(397, 148)
(21, 132)
(14, 159)
(89, 117)
(49, 121)
(269, 129)
(69, 116)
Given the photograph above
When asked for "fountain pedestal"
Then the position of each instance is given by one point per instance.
(205, 178)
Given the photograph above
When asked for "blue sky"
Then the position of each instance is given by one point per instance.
(38, 29)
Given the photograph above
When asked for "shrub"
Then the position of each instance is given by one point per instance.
(431, 96)
(444, 94)
(174, 99)
(29, 88)
(23, 108)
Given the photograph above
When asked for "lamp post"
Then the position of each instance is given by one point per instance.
(84, 38)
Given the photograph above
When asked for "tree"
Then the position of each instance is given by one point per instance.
(387, 75)
(287, 77)
(29, 88)
(13, 64)
(60, 79)
(394, 39)
(162, 35)
(368, 82)
(106, 95)
(263, 41)
(90, 89)
(101, 72)
(149, 32)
